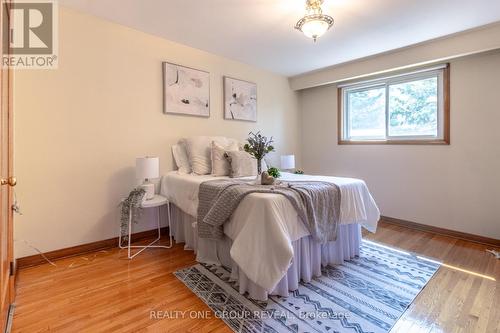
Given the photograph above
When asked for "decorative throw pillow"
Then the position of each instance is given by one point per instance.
(220, 165)
(199, 152)
(181, 158)
(242, 164)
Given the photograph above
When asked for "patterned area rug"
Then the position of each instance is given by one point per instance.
(366, 294)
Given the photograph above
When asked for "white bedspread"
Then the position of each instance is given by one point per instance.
(264, 224)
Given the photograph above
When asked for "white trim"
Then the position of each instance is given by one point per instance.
(386, 82)
(392, 78)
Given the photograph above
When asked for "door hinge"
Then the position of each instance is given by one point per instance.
(11, 268)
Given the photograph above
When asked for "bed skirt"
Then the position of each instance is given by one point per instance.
(307, 259)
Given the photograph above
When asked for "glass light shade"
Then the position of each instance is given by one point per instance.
(315, 28)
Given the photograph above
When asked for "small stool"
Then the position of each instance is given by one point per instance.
(157, 201)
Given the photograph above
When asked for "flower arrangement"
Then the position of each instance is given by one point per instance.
(258, 146)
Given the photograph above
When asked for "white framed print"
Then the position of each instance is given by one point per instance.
(186, 91)
(240, 99)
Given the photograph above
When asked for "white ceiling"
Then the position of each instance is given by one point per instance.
(260, 32)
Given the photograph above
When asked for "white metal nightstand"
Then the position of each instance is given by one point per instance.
(157, 201)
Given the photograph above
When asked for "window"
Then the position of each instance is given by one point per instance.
(410, 108)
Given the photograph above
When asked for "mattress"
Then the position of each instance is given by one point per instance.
(357, 204)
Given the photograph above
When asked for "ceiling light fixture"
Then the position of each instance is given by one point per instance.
(314, 24)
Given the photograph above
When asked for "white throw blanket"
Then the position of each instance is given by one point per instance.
(264, 225)
(316, 203)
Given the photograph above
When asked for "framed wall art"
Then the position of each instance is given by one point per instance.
(186, 91)
(240, 99)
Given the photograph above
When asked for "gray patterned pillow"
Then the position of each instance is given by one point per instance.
(242, 164)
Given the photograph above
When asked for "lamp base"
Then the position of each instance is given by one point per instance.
(150, 191)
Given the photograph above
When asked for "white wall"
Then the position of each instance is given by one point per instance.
(79, 128)
(455, 187)
(474, 41)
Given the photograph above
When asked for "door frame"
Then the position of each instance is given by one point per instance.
(9, 154)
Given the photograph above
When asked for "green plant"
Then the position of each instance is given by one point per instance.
(131, 205)
(258, 146)
(274, 172)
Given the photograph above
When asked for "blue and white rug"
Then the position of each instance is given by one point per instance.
(366, 294)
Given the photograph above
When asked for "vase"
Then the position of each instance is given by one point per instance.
(259, 167)
(258, 178)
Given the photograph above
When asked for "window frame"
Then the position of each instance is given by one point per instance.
(443, 138)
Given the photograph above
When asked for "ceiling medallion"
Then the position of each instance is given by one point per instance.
(314, 23)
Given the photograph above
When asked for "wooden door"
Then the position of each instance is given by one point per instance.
(6, 180)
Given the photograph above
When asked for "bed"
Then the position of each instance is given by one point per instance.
(266, 247)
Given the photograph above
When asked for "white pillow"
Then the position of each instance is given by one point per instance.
(181, 158)
(220, 165)
(242, 164)
(264, 165)
(199, 152)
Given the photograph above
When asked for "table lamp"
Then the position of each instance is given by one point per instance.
(147, 168)
(287, 162)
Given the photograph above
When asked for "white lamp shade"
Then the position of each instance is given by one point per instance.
(288, 162)
(315, 28)
(147, 168)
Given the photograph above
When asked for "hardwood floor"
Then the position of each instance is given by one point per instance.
(105, 292)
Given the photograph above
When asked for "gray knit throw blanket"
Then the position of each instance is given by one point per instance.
(316, 203)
